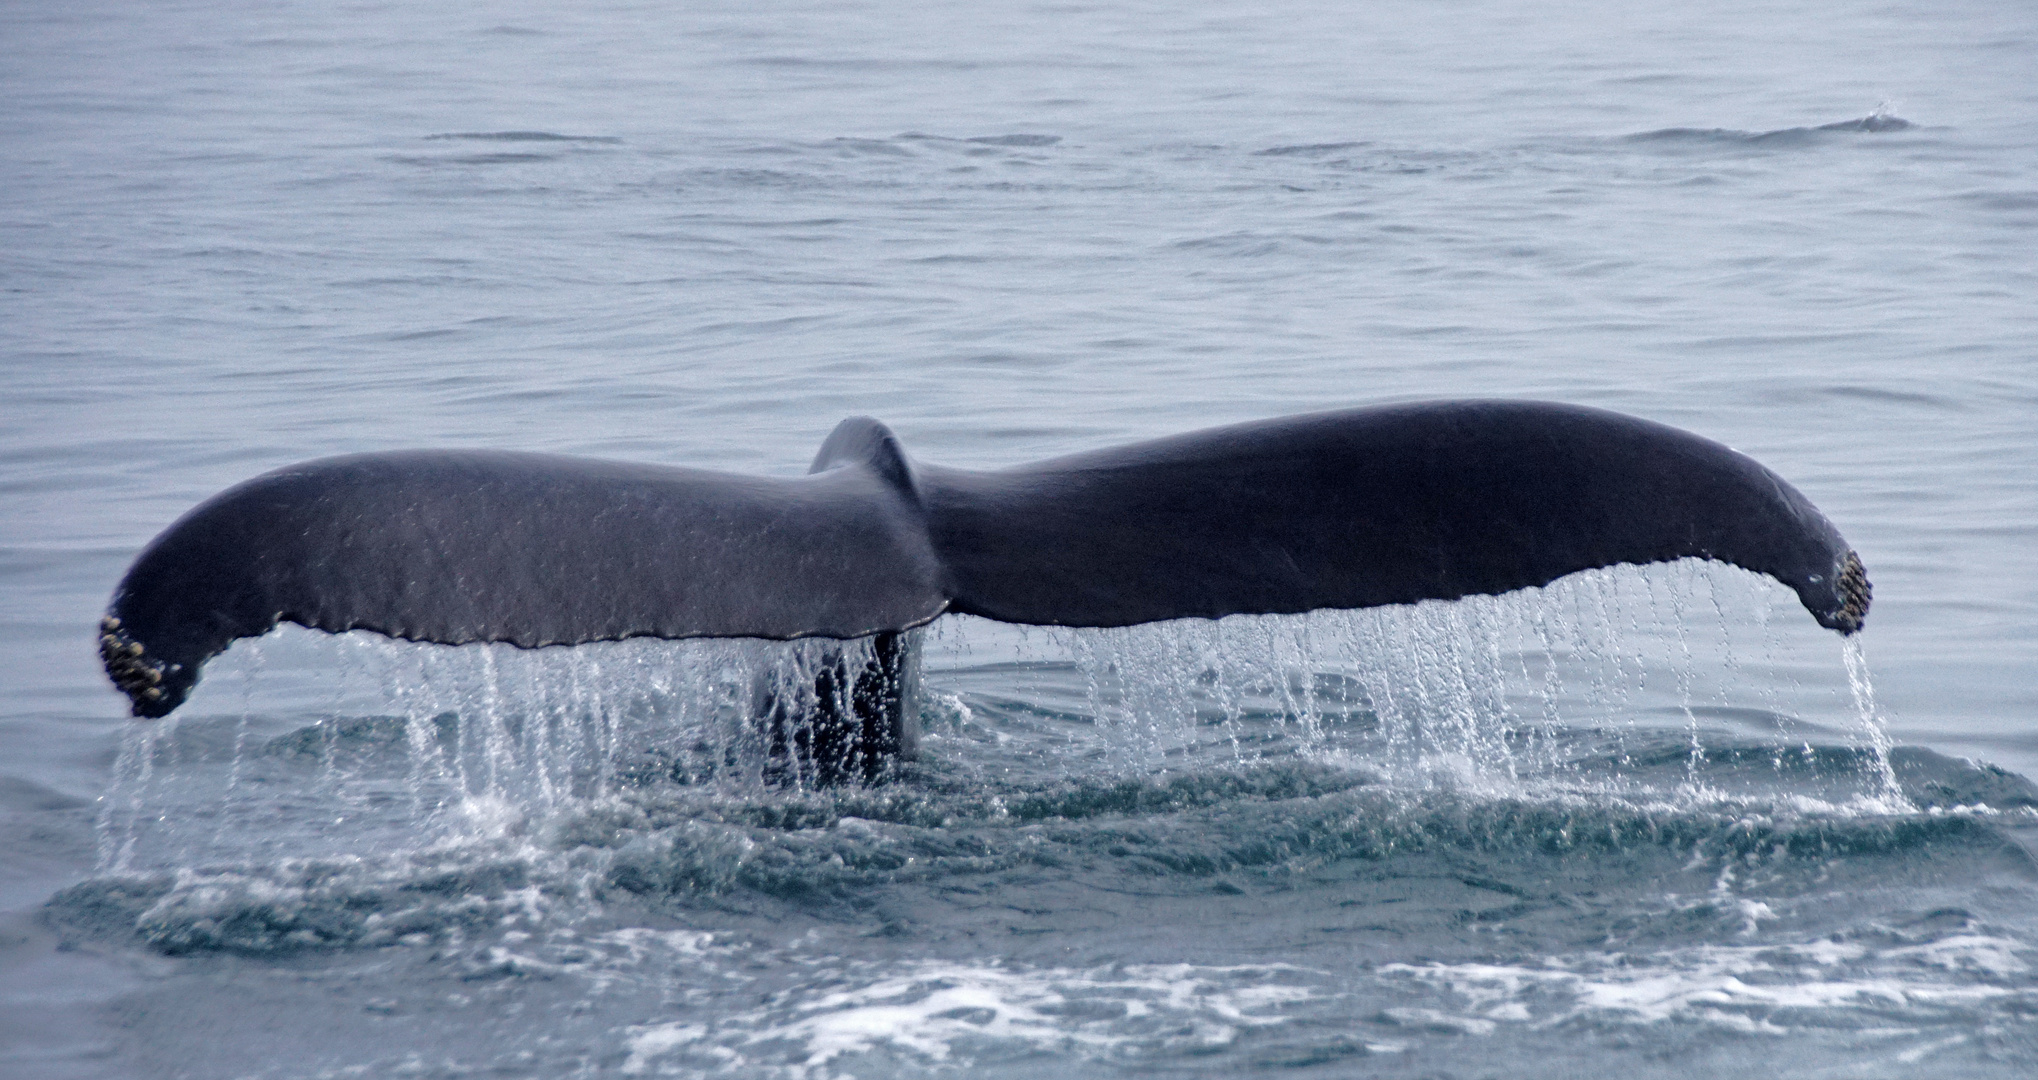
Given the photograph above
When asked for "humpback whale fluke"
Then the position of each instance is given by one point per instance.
(1389, 504)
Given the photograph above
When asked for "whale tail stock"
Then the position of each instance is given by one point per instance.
(1388, 504)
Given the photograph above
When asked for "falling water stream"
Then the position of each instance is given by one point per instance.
(1639, 822)
(379, 753)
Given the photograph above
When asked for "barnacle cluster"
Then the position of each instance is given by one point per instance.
(139, 676)
(1855, 593)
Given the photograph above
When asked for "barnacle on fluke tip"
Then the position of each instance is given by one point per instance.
(129, 666)
(1855, 592)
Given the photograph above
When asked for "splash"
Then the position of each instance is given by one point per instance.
(1869, 719)
(368, 744)
(1504, 696)
(1642, 686)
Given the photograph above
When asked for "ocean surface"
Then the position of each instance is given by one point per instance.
(1645, 822)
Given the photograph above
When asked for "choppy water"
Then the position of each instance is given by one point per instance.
(1652, 822)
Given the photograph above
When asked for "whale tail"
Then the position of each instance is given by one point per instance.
(1384, 505)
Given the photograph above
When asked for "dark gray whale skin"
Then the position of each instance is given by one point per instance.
(1389, 504)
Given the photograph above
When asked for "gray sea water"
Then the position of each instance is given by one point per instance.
(1643, 822)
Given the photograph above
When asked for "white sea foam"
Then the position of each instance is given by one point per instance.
(941, 1011)
(1743, 988)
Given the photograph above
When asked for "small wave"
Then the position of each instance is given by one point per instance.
(304, 904)
(469, 159)
(1015, 140)
(19, 795)
(1874, 123)
(1827, 772)
(523, 136)
(750, 179)
(2009, 201)
(1308, 149)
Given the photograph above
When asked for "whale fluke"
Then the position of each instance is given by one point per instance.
(1390, 504)
(1387, 505)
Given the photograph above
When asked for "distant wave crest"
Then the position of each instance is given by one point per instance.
(1878, 122)
(523, 136)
